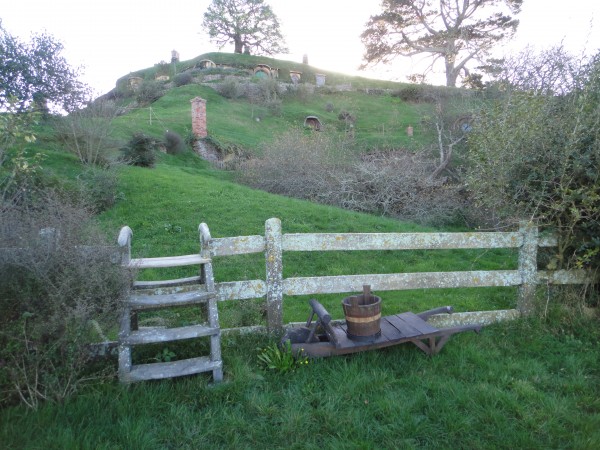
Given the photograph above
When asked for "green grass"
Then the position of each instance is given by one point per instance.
(381, 120)
(517, 385)
(165, 205)
(524, 384)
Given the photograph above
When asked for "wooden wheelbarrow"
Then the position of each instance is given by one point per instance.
(321, 337)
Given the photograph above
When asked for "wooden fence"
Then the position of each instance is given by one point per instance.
(527, 240)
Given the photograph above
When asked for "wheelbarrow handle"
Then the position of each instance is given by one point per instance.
(320, 311)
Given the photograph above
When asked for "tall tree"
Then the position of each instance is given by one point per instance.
(36, 72)
(455, 31)
(250, 24)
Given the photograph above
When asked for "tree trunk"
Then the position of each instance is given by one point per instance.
(239, 44)
(451, 74)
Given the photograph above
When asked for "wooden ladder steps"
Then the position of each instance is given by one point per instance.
(203, 319)
(147, 301)
(168, 261)
(152, 335)
(157, 371)
(167, 283)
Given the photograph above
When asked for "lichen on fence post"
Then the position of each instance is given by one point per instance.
(274, 276)
(528, 267)
(124, 241)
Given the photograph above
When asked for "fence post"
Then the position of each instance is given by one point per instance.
(124, 241)
(274, 278)
(528, 267)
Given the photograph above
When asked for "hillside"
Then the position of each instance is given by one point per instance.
(374, 113)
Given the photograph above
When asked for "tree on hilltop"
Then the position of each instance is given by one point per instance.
(457, 32)
(250, 24)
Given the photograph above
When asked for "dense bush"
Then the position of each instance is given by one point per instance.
(174, 143)
(181, 79)
(319, 167)
(99, 188)
(231, 88)
(140, 150)
(535, 155)
(148, 92)
(60, 289)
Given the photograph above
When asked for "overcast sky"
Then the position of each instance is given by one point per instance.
(111, 38)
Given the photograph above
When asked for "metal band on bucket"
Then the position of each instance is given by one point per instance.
(363, 319)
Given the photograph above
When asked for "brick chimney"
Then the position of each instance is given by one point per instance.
(199, 117)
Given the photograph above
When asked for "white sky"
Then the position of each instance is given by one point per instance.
(111, 38)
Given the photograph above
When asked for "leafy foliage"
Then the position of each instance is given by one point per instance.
(250, 24)
(281, 358)
(140, 150)
(181, 79)
(174, 143)
(455, 32)
(36, 73)
(536, 155)
(148, 92)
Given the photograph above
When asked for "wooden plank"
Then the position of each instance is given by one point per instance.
(154, 335)
(168, 261)
(240, 290)
(416, 322)
(399, 281)
(404, 328)
(171, 369)
(239, 245)
(389, 331)
(166, 283)
(168, 300)
(398, 241)
(548, 240)
(576, 276)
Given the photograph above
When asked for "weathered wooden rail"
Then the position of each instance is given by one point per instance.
(527, 240)
(526, 277)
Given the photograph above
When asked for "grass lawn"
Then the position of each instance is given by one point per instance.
(165, 205)
(516, 385)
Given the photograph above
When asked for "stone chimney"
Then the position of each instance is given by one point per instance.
(199, 117)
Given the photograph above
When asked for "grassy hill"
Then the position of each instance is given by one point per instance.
(382, 109)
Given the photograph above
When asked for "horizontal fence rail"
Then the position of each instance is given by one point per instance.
(527, 240)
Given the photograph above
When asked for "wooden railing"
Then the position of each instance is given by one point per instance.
(274, 243)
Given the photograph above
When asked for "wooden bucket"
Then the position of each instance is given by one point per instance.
(363, 315)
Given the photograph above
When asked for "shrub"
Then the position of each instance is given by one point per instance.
(534, 154)
(99, 188)
(60, 290)
(148, 92)
(140, 150)
(86, 133)
(174, 143)
(231, 88)
(412, 93)
(181, 79)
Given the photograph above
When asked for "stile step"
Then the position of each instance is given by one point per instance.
(168, 261)
(156, 371)
(144, 301)
(153, 335)
(167, 283)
